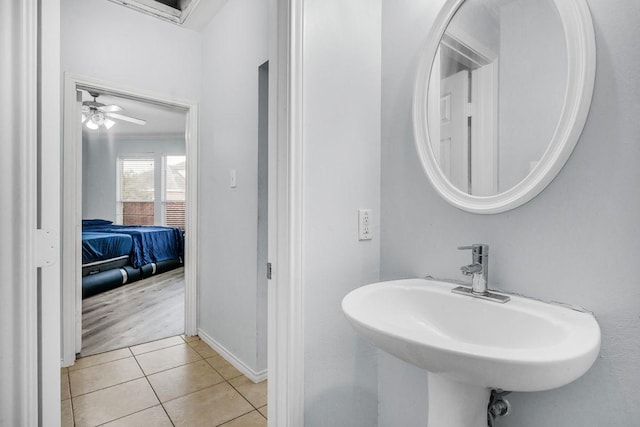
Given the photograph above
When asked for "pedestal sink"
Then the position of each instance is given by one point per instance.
(470, 346)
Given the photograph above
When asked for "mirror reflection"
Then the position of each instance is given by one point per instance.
(496, 92)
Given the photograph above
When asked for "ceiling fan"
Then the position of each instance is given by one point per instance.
(96, 114)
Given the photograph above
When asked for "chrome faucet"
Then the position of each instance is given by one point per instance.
(479, 269)
(479, 272)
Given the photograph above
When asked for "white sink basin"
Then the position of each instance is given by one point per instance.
(523, 345)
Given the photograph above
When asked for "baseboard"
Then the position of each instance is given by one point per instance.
(254, 376)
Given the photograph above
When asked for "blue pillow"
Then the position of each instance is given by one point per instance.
(96, 222)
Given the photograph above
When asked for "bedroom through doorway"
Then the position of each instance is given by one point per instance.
(130, 203)
(133, 222)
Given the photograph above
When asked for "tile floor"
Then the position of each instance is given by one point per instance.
(177, 381)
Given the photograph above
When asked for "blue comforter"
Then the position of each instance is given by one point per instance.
(104, 246)
(149, 243)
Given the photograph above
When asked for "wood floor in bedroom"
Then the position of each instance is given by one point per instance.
(144, 311)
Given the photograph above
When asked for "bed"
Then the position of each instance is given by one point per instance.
(114, 255)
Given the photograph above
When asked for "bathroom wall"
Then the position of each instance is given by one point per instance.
(235, 44)
(577, 242)
(533, 77)
(341, 146)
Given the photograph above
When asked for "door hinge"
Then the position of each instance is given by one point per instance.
(46, 244)
(470, 109)
(268, 271)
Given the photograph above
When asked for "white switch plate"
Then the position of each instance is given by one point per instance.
(232, 179)
(364, 224)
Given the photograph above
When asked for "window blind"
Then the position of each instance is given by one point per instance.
(136, 180)
(174, 194)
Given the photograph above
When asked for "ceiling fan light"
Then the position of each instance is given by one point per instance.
(91, 125)
(109, 123)
(97, 118)
(84, 118)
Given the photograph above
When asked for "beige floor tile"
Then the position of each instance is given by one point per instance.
(167, 358)
(67, 413)
(64, 386)
(252, 419)
(256, 394)
(85, 362)
(223, 367)
(264, 411)
(111, 403)
(187, 338)
(105, 375)
(156, 345)
(209, 407)
(152, 417)
(203, 348)
(183, 380)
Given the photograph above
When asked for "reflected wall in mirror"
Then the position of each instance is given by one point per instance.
(501, 97)
(501, 59)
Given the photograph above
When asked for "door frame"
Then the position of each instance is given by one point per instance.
(72, 205)
(285, 215)
(483, 154)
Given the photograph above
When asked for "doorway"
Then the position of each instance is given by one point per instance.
(133, 190)
(463, 102)
(157, 206)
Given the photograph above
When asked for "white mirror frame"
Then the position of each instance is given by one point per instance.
(581, 69)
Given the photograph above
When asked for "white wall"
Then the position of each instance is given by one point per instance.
(341, 150)
(218, 67)
(104, 40)
(99, 157)
(578, 241)
(235, 45)
(533, 78)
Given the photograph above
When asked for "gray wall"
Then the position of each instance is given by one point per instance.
(218, 68)
(577, 242)
(341, 146)
(234, 46)
(140, 51)
(533, 78)
(99, 156)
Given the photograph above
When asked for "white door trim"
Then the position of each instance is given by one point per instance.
(50, 188)
(19, 327)
(286, 239)
(72, 205)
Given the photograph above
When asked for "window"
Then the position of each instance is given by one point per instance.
(174, 191)
(136, 191)
(147, 196)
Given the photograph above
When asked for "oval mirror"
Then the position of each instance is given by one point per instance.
(501, 97)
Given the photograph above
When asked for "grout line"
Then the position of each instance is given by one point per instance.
(240, 393)
(133, 413)
(159, 401)
(110, 386)
(233, 419)
(155, 349)
(145, 376)
(102, 363)
(153, 390)
(73, 415)
(168, 369)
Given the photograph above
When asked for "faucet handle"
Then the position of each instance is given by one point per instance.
(477, 248)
